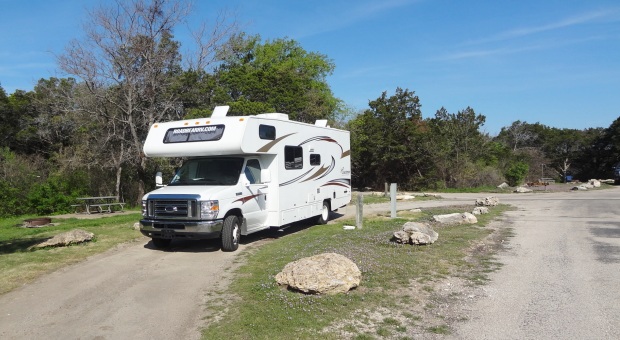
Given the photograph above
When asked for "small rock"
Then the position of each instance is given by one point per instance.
(480, 210)
(404, 197)
(522, 190)
(503, 185)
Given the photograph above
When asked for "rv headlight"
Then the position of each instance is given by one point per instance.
(144, 209)
(209, 209)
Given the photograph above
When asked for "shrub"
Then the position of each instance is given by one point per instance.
(516, 173)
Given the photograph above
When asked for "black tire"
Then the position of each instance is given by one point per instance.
(161, 243)
(324, 217)
(231, 233)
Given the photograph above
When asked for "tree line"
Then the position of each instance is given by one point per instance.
(83, 134)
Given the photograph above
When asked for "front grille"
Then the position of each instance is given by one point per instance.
(169, 226)
(173, 209)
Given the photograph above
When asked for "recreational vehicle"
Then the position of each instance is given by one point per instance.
(244, 174)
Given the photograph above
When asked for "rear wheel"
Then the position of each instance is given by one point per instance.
(161, 243)
(324, 217)
(231, 232)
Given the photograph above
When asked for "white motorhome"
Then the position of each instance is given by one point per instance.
(244, 174)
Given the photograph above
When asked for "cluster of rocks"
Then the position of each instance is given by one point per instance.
(416, 233)
(331, 273)
(591, 184)
(327, 273)
(490, 201)
(70, 237)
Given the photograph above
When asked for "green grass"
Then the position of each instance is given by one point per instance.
(20, 264)
(263, 310)
(443, 329)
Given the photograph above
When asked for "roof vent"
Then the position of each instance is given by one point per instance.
(220, 111)
(280, 116)
(321, 122)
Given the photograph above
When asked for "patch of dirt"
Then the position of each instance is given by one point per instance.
(431, 309)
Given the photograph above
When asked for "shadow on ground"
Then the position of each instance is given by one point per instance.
(206, 246)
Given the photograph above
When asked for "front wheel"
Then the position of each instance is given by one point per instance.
(324, 217)
(231, 232)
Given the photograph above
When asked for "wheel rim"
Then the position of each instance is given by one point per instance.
(236, 234)
(325, 213)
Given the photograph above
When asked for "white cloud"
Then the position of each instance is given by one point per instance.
(584, 18)
(333, 18)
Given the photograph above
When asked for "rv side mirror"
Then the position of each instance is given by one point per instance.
(158, 179)
(265, 175)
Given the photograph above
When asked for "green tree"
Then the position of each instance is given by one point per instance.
(457, 147)
(385, 141)
(516, 173)
(602, 153)
(275, 76)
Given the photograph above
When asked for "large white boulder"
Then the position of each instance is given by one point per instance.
(327, 273)
(456, 218)
(70, 237)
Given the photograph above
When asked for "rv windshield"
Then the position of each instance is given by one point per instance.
(209, 171)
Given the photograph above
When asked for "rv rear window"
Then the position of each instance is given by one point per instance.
(194, 134)
(267, 132)
(293, 157)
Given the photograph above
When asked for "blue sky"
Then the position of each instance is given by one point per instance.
(556, 62)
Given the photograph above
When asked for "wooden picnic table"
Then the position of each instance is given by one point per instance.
(99, 204)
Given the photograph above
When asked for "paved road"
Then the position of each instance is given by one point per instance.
(561, 275)
(560, 281)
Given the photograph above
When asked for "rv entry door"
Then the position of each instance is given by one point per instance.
(255, 209)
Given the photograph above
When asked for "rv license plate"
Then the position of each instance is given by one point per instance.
(167, 233)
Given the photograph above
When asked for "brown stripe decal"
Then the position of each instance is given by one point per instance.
(269, 145)
(246, 198)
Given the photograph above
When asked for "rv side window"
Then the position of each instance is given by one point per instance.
(252, 171)
(293, 157)
(267, 132)
(315, 159)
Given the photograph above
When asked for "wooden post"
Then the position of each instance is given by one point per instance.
(359, 212)
(385, 192)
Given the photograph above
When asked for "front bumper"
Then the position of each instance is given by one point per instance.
(181, 229)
